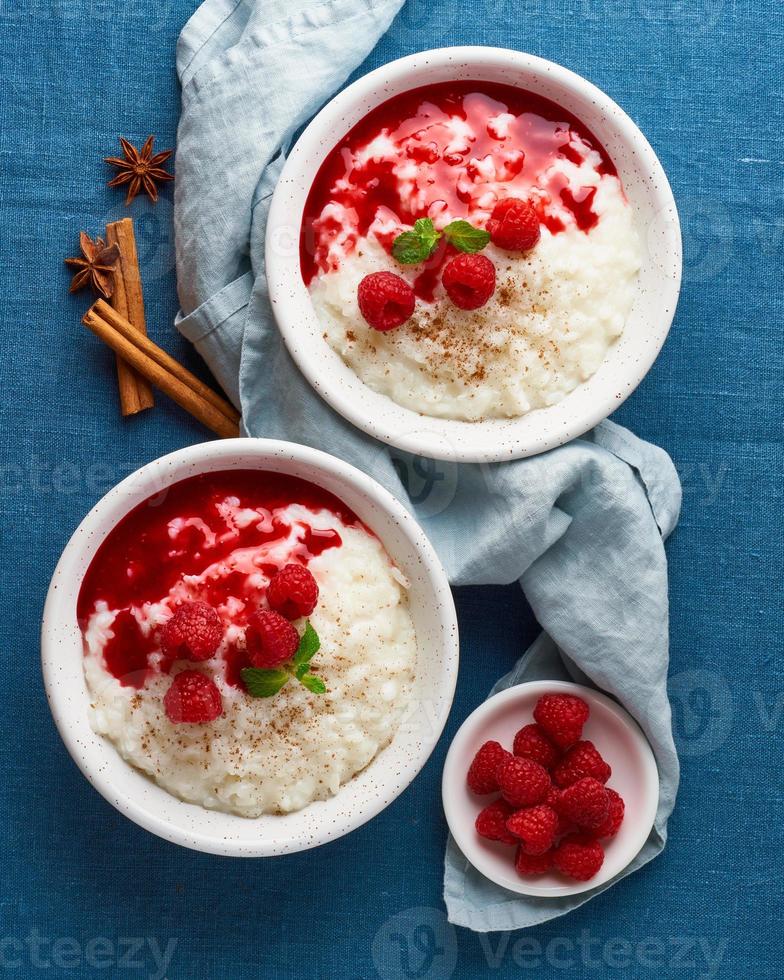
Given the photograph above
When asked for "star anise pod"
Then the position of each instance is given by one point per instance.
(140, 169)
(97, 266)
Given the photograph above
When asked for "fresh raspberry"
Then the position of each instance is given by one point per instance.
(579, 857)
(582, 759)
(270, 639)
(562, 716)
(522, 782)
(193, 633)
(514, 225)
(586, 802)
(482, 774)
(564, 825)
(469, 280)
(385, 300)
(532, 743)
(192, 698)
(293, 591)
(491, 823)
(614, 819)
(533, 864)
(535, 827)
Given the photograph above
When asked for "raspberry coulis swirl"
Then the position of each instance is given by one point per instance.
(447, 151)
(212, 538)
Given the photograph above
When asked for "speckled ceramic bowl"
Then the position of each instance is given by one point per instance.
(627, 361)
(362, 797)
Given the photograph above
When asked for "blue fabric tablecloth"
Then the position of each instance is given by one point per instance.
(84, 892)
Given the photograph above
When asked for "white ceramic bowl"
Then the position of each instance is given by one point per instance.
(362, 797)
(627, 361)
(615, 734)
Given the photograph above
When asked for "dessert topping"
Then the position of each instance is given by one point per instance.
(417, 245)
(192, 698)
(514, 225)
(469, 280)
(385, 300)
(193, 633)
(293, 591)
(270, 639)
(265, 683)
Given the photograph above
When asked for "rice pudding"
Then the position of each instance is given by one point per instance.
(451, 153)
(202, 671)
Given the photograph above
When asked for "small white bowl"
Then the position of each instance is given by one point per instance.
(615, 734)
(628, 360)
(146, 803)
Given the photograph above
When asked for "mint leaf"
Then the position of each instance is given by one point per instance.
(264, 683)
(309, 644)
(465, 237)
(411, 247)
(314, 684)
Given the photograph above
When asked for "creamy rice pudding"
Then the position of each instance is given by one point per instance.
(248, 642)
(556, 300)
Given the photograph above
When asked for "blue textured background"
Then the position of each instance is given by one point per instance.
(703, 79)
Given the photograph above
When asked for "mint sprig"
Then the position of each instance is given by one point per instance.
(465, 237)
(265, 683)
(412, 247)
(417, 245)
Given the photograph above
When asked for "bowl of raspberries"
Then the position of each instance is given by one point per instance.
(550, 788)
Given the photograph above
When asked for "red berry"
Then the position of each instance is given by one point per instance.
(532, 743)
(582, 759)
(514, 225)
(614, 819)
(522, 782)
(385, 300)
(482, 774)
(193, 633)
(535, 827)
(192, 698)
(491, 823)
(293, 591)
(562, 716)
(579, 857)
(533, 864)
(270, 639)
(586, 802)
(553, 800)
(469, 280)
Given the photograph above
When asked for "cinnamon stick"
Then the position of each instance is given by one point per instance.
(161, 370)
(127, 298)
(164, 360)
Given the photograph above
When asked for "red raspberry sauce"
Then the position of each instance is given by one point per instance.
(139, 562)
(541, 132)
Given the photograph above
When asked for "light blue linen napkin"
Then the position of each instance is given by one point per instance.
(580, 527)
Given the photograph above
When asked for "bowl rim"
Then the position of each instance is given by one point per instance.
(449, 439)
(453, 781)
(64, 706)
